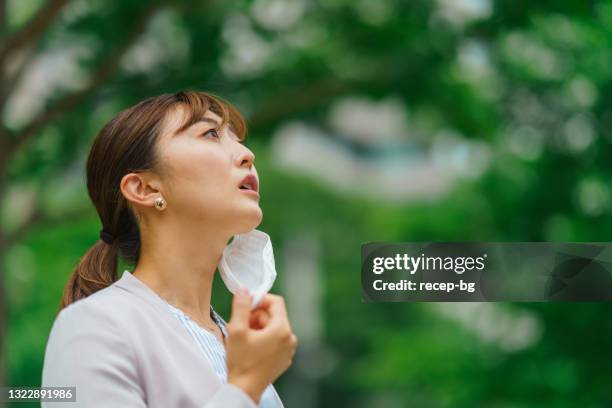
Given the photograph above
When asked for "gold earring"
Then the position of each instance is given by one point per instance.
(160, 203)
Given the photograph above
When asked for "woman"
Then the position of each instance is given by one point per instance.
(172, 182)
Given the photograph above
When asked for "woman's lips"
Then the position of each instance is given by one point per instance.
(249, 183)
(250, 192)
(250, 186)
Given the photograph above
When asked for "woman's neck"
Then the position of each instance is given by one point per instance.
(180, 267)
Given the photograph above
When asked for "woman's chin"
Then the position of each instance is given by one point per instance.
(250, 221)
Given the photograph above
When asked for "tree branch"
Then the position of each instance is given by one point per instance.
(297, 99)
(11, 79)
(70, 101)
(33, 30)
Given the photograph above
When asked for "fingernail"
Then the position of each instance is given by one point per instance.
(243, 292)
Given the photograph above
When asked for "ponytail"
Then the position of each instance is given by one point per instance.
(96, 270)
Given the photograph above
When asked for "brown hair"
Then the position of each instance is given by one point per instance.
(127, 144)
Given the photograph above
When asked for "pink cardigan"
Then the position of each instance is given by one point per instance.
(122, 347)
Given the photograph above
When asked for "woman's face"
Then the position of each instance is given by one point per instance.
(202, 170)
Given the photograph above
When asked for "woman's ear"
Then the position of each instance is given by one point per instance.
(140, 189)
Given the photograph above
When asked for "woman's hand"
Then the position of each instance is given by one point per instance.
(260, 344)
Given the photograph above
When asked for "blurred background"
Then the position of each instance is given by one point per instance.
(371, 120)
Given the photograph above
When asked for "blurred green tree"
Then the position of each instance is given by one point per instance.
(528, 79)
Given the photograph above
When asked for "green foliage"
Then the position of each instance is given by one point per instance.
(541, 104)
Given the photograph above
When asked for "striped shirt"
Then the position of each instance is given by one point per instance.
(214, 351)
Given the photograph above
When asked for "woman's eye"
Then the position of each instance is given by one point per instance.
(212, 132)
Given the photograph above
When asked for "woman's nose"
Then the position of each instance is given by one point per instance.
(245, 157)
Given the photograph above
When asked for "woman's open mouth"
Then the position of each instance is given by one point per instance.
(249, 185)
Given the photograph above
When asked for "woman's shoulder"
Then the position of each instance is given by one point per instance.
(91, 338)
(109, 308)
(102, 300)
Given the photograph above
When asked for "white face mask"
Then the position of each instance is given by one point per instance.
(248, 261)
